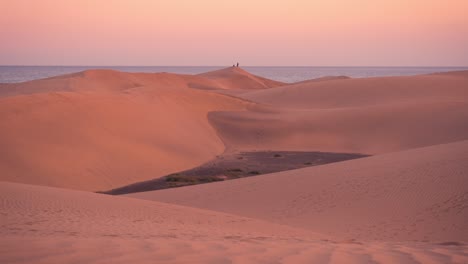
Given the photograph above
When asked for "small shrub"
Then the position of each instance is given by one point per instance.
(179, 178)
(209, 179)
(173, 178)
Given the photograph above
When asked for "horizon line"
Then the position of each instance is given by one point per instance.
(265, 66)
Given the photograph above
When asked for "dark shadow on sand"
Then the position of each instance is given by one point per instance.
(237, 165)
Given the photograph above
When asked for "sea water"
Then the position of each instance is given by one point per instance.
(14, 74)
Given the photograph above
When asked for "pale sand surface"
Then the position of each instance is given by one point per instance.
(50, 225)
(97, 130)
(414, 195)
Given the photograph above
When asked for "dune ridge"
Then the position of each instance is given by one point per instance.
(237, 78)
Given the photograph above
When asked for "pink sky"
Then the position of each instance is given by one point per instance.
(218, 32)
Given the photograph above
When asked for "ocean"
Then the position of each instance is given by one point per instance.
(15, 74)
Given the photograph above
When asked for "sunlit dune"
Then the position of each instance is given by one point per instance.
(235, 77)
(400, 196)
(102, 129)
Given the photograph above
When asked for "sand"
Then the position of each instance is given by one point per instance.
(50, 225)
(367, 130)
(65, 137)
(100, 138)
(230, 166)
(414, 195)
(361, 92)
(233, 78)
(369, 115)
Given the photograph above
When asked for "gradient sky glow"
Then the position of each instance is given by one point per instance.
(219, 32)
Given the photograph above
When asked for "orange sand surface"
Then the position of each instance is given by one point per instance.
(50, 225)
(63, 138)
(101, 132)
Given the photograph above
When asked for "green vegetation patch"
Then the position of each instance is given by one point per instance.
(179, 179)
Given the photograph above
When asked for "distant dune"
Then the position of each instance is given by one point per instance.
(368, 129)
(373, 115)
(361, 92)
(237, 78)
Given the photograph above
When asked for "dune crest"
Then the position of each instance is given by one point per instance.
(237, 78)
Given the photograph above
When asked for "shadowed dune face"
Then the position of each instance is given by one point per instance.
(418, 194)
(368, 129)
(103, 136)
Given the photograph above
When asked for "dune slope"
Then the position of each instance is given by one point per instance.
(361, 92)
(101, 129)
(237, 78)
(367, 129)
(50, 225)
(370, 116)
(420, 194)
(103, 133)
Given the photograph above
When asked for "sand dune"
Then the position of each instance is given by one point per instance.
(451, 86)
(372, 115)
(102, 129)
(419, 194)
(367, 129)
(237, 78)
(49, 225)
(104, 132)
(322, 79)
(111, 80)
(238, 92)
